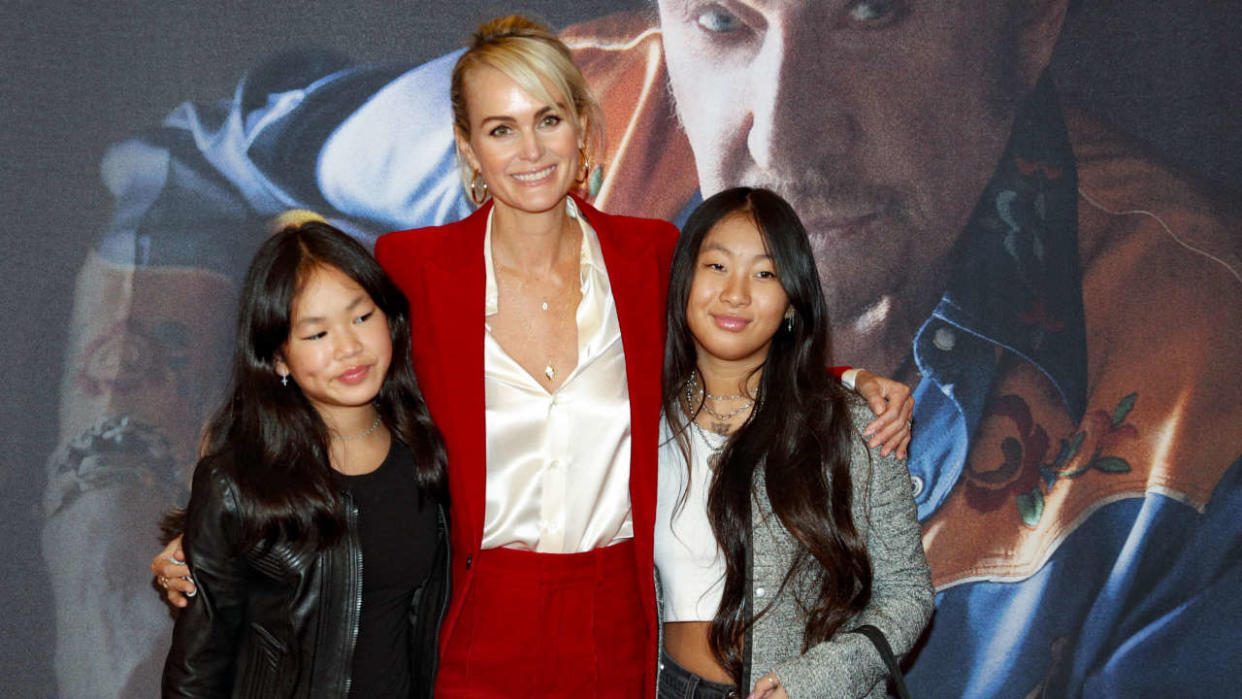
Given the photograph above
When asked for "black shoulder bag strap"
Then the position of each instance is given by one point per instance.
(886, 652)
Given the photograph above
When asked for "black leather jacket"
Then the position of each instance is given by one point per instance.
(278, 622)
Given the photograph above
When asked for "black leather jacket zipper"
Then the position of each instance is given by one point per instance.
(355, 577)
(447, 594)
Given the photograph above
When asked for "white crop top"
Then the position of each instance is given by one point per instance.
(692, 568)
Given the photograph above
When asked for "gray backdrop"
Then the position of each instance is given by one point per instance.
(78, 78)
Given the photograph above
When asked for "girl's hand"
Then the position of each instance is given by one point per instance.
(768, 687)
(172, 575)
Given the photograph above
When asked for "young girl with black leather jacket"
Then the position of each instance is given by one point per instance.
(316, 531)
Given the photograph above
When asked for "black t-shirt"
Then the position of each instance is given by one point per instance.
(397, 533)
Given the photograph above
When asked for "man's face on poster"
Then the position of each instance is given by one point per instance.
(881, 121)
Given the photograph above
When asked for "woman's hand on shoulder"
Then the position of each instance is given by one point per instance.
(172, 575)
(893, 406)
(768, 687)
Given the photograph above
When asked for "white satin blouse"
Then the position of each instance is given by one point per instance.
(558, 464)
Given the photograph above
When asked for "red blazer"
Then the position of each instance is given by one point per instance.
(441, 271)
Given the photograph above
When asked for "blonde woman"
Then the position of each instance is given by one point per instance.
(537, 337)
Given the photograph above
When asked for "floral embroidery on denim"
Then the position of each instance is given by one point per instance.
(1024, 474)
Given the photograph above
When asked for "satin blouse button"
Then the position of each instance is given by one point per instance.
(759, 591)
(917, 482)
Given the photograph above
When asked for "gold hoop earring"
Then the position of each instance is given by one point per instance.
(474, 189)
(584, 165)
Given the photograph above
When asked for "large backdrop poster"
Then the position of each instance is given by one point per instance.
(1029, 212)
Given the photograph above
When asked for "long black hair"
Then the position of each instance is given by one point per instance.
(798, 435)
(278, 443)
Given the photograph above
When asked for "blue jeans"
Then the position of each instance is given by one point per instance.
(676, 682)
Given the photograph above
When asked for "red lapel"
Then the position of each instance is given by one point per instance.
(456, 279)
(638, 277)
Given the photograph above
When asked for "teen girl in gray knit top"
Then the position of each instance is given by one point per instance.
(777, 529)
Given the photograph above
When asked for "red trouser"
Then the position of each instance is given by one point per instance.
(549, 625)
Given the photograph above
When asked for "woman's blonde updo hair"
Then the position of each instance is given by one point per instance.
(532, 56)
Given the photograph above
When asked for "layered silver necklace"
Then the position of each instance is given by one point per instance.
(720, 422)
(715, 447)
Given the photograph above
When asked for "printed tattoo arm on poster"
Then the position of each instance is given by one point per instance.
(146, 359)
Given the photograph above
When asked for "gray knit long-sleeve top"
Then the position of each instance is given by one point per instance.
(846, 665)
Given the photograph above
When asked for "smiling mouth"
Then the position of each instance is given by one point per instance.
(354, 375)
(534, 176)
(731, 323)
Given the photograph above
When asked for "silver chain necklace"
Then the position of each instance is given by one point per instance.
(713, 458)
(374, 425)
(716, 448)
(693, 390)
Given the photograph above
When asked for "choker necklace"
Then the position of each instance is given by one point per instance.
(372, 428)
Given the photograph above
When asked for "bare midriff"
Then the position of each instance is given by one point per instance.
(686, 642)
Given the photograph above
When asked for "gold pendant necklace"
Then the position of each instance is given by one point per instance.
(545, 305)
(566, 295)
